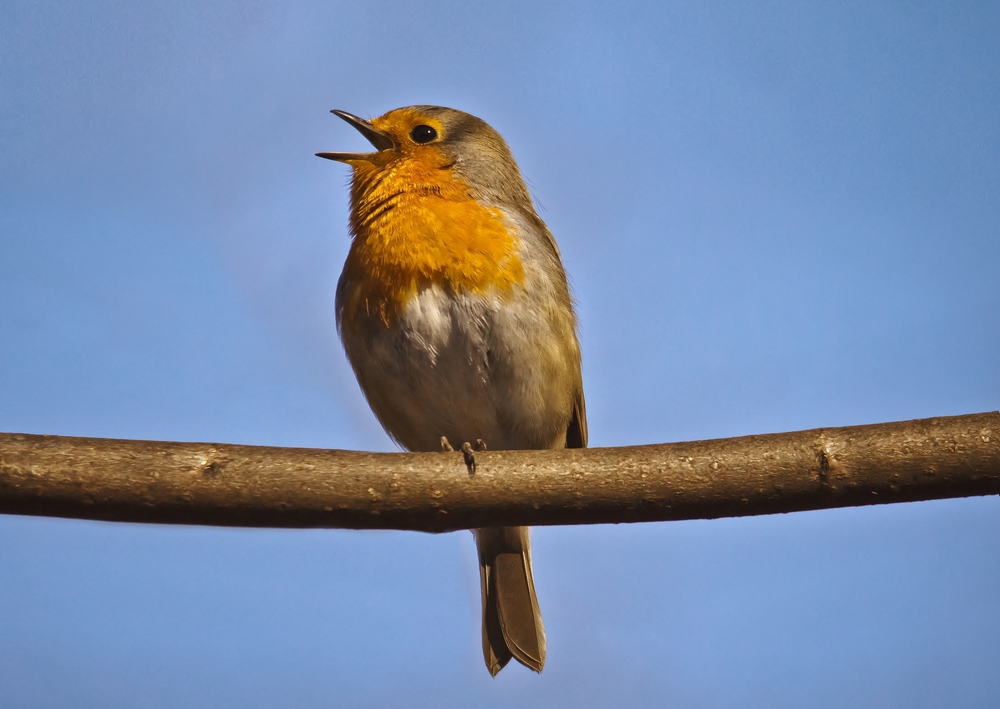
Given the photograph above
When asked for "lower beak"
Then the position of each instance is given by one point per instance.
(379, 139)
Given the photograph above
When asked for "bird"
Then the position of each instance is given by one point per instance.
(455, 313)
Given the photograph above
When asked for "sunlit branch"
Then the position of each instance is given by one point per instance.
(251, 486)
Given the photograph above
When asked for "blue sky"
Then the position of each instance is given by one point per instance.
(775, 216)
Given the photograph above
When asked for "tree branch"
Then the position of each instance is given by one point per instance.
(252, 486)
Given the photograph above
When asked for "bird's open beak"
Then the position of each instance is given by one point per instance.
(381, 141)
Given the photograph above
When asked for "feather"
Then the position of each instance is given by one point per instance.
(512, 621)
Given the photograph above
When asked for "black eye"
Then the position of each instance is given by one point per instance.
(423, 134)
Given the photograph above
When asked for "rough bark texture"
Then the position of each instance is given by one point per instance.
(251, 486)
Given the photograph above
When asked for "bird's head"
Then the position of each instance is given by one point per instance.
(426, 147)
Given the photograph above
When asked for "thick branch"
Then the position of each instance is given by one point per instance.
(251, 486)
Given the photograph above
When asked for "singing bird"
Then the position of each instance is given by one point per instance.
(455, 313)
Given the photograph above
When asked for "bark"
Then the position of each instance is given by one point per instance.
(253, 486)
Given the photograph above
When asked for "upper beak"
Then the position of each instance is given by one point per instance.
(381, 140)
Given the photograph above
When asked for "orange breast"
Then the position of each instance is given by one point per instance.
(415, 224)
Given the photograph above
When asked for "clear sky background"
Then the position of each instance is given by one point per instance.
(775, 215)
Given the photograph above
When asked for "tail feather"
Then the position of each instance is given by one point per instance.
(495, 650)
(512, 622)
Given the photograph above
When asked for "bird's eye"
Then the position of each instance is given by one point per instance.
(423, 134)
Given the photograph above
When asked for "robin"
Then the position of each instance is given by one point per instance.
(456, 316)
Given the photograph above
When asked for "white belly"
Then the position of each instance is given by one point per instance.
(466, 367)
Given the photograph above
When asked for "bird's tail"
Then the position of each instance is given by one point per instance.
(512, 623)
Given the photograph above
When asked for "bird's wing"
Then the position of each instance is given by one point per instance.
(576, 433)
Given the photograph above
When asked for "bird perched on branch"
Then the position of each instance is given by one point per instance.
(456, 316)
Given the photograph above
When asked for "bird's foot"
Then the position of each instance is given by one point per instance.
(468, 451)
(470, 458)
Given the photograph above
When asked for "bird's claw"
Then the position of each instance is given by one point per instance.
(468, 451)
(470, 458)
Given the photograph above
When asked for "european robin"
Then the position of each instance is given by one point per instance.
(456, 316)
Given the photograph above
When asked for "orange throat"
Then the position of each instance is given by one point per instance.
(415, 224)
